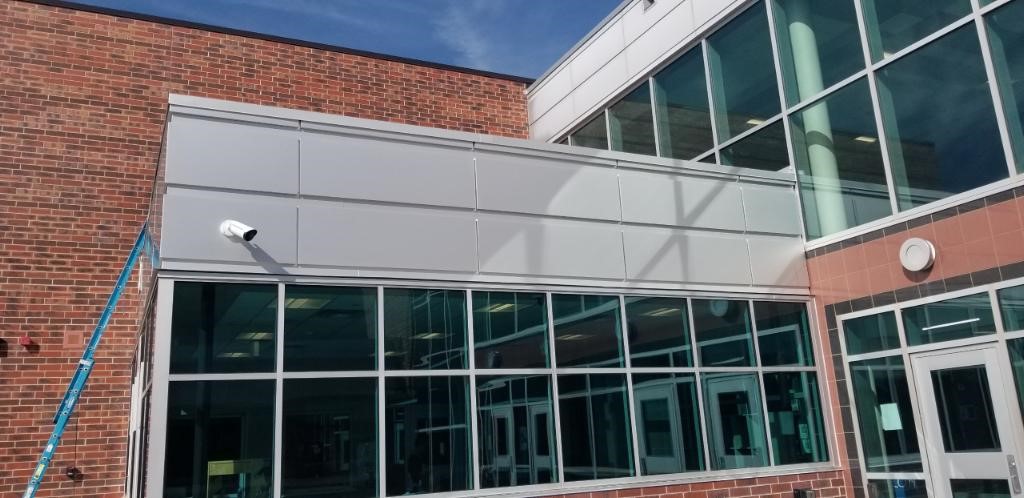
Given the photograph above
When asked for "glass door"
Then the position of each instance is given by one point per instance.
(970, 427)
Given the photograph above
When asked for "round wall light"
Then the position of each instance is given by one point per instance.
(917, 254)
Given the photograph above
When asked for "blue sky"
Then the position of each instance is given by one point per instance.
(518, 37)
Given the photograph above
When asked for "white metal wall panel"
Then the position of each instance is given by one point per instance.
(664, 199)
(667, 255)
(660, 38)
(778, 261)
(771, 209)
(598, 87)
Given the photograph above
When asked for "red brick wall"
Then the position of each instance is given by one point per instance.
(83, 98)
(825, 484)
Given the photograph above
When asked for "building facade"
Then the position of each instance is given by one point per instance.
(750, 248)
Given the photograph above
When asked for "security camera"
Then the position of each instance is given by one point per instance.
(232, 228)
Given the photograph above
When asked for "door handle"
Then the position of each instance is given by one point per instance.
(1011, 462)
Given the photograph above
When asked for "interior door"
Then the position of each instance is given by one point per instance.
(971, 430)
(658, 427)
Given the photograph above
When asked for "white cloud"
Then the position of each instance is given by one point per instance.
(459, 27)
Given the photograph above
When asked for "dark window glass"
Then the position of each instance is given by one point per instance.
(596, 441)
(733, 413)
(819, 44)
(980, 488)
(681, 105)
(958, 318)
(1011, 305)
(886, 421)
(510, 329)
(871, 333)
(516, 430)
(668, 423)
(631, 123)
(794, 414)
(1016, 348)
(1006, 38)
(588, 330)
(783, 334)
(745, 91)
(427, 435)
(897, 488)
(593, 134)
(839, 162)
(939, 120)
(424, 329)
(330, 328)
(893, 25)
(964, 403)
(765, 150)
(220, 438)
(659, 332)
(329, 438)
(723, 332)
(223, 328)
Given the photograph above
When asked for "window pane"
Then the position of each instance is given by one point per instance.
(516, 429)
(427, 435)
(764, 150)
(980, 488)
(900, 488)
(659, 332)
(819, 44)
(746, 92)
(794, 412)
(939, 120)
(723, 332)
(839, 162)
(959, 318)
(885, 419)
(588, 331)
(681, 100)
(668, 423)
(1006, 38)
(424, 329)
(329, 438)
(871, 333)
(220, 438)
(593, 134)
(330, 328)
(596, 441)
(223, 328)
(893, 25)
(1016, 348)
(783, 334)
(964, 403)
(732, 402)
(1011, 305)
(631, 123)
(510, 329)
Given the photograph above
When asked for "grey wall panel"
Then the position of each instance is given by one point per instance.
(532, 246)
(772, 209)
(346, 235)
(681, 201)
(778, 261)
(537, 185)
(191, 228)
(666, 255)
(336, 165)
(237, 155)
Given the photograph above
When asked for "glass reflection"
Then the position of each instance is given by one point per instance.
(424, 329)
(794, 414)
(668, 423)
(765, 150)
(1016, 350)
(897, 488)
(631, 123)
(330, 328)
(732, 405)
(659, 332)
(940, 122)
(964, 403)
(329, 438)
(893, 25)
(596, 442)
(745, 91)
(871, 333)
(220, 439)
(783, 334)
(223, 328)
(885, 419)
(593, 134)
(516, 429)
(510, 329)
(427, 435)
(1011, 305)
(1006, 39)
(681, 104)
(957, 318)
(588, 330)
(723, 332)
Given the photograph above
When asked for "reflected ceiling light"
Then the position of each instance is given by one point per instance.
(255, 336)
(755, 121)
(234, 355)
(662, 312)
(388, 354)
(866, 139)
(950, 324)
(572, 337)
(428, 335)
(499, 308)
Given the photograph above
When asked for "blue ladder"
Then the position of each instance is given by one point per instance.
(71, 396)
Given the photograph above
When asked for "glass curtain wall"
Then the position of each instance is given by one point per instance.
(374, 391)
(888, 106)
